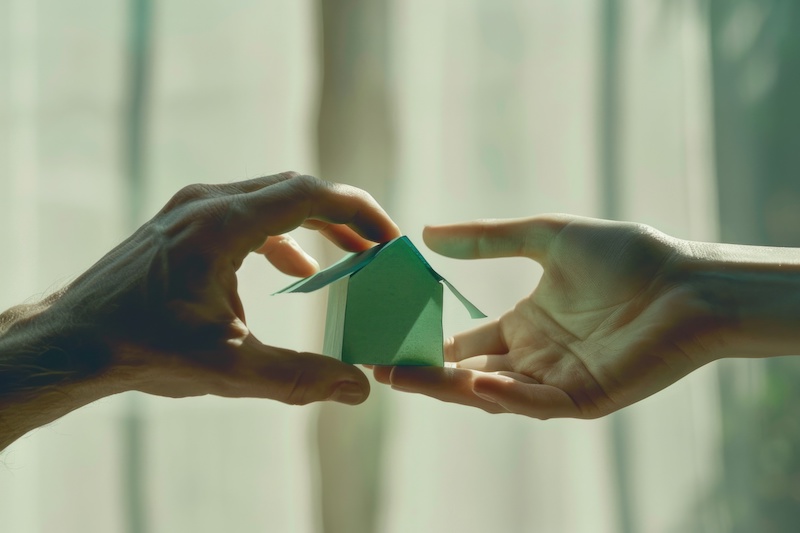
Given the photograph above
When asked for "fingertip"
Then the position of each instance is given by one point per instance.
(388, 233)
(492, 238)
(372, 221)
(433, 238)
(300, 268)
(350, 392)
(304, 257)
(288, 256)
(352, 387)
(351, 239)
(312, 264)
(382, 374)
(447, 240)
(429, 231)
(392, 231)
(375, 233)
(450, 350)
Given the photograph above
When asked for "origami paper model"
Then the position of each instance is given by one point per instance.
(384, 306)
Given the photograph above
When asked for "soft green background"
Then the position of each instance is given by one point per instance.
(682, 114)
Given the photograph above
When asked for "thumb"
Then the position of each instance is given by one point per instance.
(516, 237)
(296, 378)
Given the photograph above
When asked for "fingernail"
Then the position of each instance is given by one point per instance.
(348, 392)
(294, 244)
(307, 257)
(311, 260)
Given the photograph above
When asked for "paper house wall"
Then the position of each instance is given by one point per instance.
(384, 306)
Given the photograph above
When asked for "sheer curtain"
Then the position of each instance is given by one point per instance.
(491, 109)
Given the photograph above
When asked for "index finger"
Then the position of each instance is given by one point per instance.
(285, 205)
(342, 236)
(519, 237)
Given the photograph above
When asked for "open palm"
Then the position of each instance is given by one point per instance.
(613, 319)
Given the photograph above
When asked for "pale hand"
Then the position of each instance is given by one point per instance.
(614, 319)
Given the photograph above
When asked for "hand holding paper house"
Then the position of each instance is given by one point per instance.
(384, 306)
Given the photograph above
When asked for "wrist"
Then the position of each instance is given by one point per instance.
(49, 366)
(51, 346)
(754, 294)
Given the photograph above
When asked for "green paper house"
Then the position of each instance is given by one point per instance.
(384, 306)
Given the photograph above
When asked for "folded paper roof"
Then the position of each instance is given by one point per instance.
(352, 263)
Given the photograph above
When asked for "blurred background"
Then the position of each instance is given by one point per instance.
(683, 114)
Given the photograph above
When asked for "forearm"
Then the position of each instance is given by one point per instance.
(756, 291)
(47, 368)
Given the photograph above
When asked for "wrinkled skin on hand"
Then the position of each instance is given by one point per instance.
(614, 319)
(164, 305)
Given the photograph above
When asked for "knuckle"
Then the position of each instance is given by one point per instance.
(364, 196)
(193, 191)
(289, 174)
(187, 194)
(644, 229)
(644, 234)
(224, 211)
(310, 185)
